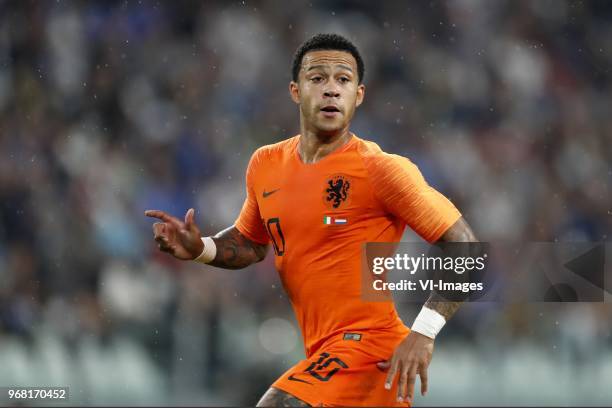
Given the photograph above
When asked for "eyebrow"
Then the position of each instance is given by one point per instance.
(323, 66)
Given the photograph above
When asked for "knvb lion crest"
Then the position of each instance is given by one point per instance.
(337, 190)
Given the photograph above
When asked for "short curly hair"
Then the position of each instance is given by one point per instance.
(327, 42)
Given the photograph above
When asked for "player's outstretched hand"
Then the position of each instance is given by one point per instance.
(411, 358)
(180, 239)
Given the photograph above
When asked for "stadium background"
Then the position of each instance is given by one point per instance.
(110, 108)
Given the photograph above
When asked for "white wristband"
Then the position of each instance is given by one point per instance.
(209, 252)
(428, 322)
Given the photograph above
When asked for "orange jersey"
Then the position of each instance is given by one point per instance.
(318, 216)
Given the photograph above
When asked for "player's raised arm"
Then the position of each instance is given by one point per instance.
(182, 239)
(235, 251)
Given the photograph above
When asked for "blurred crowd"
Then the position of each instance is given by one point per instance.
(108, 108)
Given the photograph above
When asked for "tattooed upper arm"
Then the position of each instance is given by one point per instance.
(235, 251)
(459, 232)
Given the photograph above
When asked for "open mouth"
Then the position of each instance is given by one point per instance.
(330, 109)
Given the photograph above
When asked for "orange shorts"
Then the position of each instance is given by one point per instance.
(343, 372)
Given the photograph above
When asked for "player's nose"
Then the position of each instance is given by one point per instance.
(331, 93)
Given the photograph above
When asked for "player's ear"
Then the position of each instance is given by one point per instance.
(360, 94)
(294, 91)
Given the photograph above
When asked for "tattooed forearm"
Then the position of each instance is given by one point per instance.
(459, 232)
(445, 308)
(235, 251)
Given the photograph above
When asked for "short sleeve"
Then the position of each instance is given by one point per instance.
(400, 187)
(249, 222)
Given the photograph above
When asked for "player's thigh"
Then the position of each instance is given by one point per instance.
(278, 398)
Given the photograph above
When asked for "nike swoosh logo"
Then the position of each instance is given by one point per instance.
(266, 194)
(292, 378)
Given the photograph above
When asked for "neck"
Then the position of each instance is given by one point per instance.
(314, 146)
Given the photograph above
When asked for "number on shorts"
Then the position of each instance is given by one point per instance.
(322, 363)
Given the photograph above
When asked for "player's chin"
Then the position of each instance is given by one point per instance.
(330, 126)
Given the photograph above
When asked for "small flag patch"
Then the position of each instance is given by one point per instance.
(352, 336)
(327, 220)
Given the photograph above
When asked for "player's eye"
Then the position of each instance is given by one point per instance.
(344, 80)
(316, 79)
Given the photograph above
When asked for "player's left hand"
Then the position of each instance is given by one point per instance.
(411, 357)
